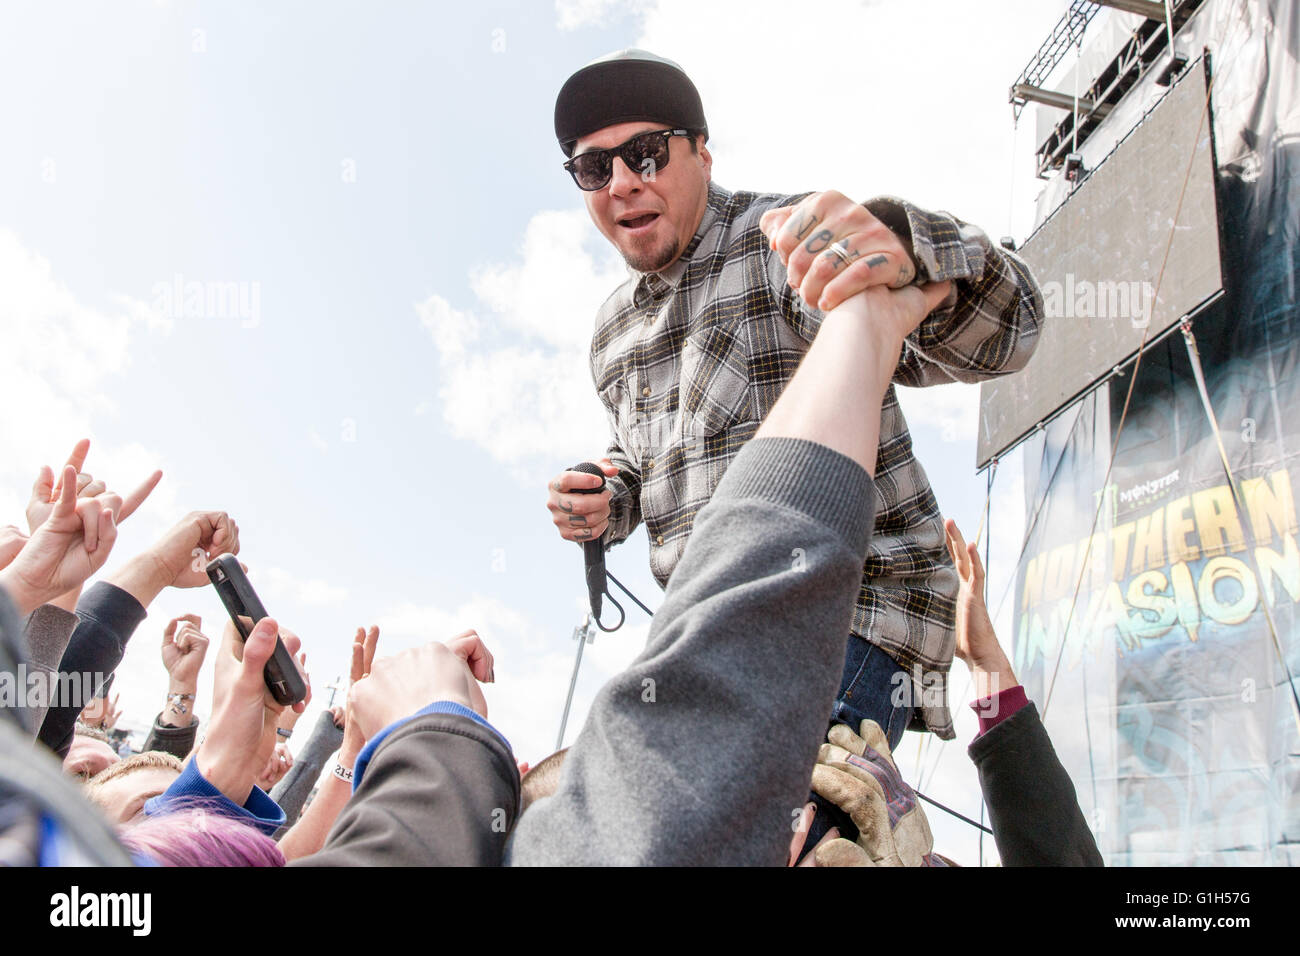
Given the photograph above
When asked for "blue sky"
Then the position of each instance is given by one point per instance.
(380, 184)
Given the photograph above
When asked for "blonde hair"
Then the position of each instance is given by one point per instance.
(542, 780)
(144, 761)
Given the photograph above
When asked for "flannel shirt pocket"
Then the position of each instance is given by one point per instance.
(715, 388)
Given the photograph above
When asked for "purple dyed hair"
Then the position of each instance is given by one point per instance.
(199, 836)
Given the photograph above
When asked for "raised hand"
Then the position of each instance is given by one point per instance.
(184, 551)
(63, 552)
(833, 247)
(977, 644)
(12, 541)
(896, 313)
(184, 646)
(45, 492)
(280, 763)
(363, 659)
(399, 686)
(101, 713)
(241, 734)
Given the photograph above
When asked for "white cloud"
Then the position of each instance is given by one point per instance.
(519, 385)
(452, 330)
(60, 359)
(553, 291)
(572, 14)
(300, 590)
(953, 410)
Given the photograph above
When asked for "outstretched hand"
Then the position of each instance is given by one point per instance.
(401, 685)
(63, 552)
(363, 661)
(977, 644)
(46, 491)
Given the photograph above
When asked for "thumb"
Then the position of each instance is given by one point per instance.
(935, 293)
(774, 219)
(608, 467)
(258, 650)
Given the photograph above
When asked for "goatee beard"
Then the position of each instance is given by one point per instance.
(652, 261)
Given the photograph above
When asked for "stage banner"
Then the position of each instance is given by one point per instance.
(1156, 604)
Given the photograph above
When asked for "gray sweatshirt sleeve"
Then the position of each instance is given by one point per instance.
(48, 630)
(701, 752)
(293, 789)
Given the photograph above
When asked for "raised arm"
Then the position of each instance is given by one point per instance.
(833, 247)
(745, 653)
(743, 660)
(1033, 807)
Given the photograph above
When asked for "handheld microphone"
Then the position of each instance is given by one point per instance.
(593, 552)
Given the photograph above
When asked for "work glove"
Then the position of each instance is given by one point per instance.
(857, 773)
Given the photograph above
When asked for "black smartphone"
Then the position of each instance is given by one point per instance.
(281, 673)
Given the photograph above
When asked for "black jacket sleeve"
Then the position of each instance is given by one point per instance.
(177, 741)
(108, 616)
(1032, 805)
(441, 790)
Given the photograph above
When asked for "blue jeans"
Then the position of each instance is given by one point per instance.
(867, 690)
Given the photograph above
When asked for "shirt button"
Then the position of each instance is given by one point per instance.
(646, 391)
(659, 540)
(650, 463)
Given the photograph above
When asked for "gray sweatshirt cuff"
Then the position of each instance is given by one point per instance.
(809, 478)
(48, 631)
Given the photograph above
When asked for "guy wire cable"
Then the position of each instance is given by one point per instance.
(1243, 517)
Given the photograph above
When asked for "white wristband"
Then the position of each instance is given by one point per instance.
(343, 773)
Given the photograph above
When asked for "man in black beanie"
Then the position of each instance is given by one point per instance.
(726, 292)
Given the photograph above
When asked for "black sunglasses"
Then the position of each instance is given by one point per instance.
(644, 153)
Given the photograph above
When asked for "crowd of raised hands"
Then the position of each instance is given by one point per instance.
(410, 771)
(243, 752)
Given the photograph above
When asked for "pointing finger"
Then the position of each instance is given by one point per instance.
(136, 498)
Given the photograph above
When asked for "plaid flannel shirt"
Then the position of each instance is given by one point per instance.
(688, 362)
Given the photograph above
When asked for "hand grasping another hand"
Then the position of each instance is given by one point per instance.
(833, 248)
(399, 686)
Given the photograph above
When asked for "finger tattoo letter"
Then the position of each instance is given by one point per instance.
(805, 226)
(819, 241)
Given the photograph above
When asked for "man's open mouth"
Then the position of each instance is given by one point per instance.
(637, 222)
